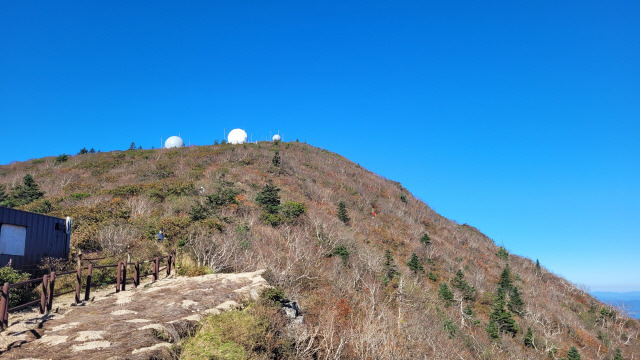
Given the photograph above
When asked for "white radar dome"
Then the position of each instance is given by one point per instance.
(276, 137)
(174, 142)
(237, 136)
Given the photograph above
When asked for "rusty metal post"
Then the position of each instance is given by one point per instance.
(4, 299)
(124, 275)
(78, 284)
(156, 266)
(52, 285)
(136, 274)
(119, 276)
(43, 296)
(87, 291)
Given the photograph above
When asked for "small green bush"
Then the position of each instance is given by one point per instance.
(20, 294)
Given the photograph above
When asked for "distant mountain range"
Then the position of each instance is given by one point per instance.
(628, 300)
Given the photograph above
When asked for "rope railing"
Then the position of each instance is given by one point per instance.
(48, 284)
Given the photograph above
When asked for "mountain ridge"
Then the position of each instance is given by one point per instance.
(354, 280)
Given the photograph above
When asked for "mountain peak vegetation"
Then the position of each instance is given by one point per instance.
(400, 281)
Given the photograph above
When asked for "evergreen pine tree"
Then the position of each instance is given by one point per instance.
(25, 193)
(84, 150)
(573, 354)
(538, 267)
(492, 330)
(425, 239)
(389, 266)
(528, 339)
(459, 282)
(269, 198)
(414, 264)
(618, 355)
(276, 159)
(92, 151)
(505, 279)
(515, 302)
(502, 317)
(342, 213)
(445, 294)
(132, 146)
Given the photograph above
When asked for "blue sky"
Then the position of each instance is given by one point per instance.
(520, 119)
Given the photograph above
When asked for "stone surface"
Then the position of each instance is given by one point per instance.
(142, 323)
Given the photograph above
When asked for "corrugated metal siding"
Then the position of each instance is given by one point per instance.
(42, 238)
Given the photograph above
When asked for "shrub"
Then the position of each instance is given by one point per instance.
(273, 296)
(79, 196)
(20, 294)
(342, 252)
(62, 158)
(292, 210)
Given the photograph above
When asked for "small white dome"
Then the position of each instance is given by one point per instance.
(276, 137)
(237, 136)
(174, 142)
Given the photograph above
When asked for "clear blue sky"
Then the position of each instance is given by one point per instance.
(522, 119)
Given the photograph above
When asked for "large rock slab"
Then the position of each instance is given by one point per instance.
(142, 323)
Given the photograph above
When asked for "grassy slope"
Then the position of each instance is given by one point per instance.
(350, 309)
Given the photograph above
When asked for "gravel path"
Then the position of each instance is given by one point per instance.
(142, 323)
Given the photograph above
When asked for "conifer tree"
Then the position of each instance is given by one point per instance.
(25, 193)
(528, 338)
(342, 213)
(425, 239)
(445, 294)
(459, 282)
(515, 302)
(269, 198)
(389, 266)
(414, 264)
(502, 317)
(276, 159)
(92, 151)
(492, 330)
(132, 146)
(573, 354)
(505, 279)
(538, 267)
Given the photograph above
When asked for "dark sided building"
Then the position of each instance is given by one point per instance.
(26, 238)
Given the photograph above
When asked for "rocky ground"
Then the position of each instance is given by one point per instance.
(142, 323)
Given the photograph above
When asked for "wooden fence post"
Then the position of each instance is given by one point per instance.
(118, 276)
(43, 296)
(4, 300)
(124, 275)
(169, 265)
(78, 284)
(156, 267)
(87, 291)
(136, 275)
(52, 285)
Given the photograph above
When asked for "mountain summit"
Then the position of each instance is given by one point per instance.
(375, 271)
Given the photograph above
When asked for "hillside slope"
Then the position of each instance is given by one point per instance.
(362, 294)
